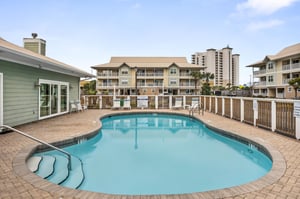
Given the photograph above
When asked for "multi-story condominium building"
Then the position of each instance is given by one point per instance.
(274, 72)
(222, 63)
(146, 76)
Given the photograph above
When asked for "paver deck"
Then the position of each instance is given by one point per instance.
(16, 181)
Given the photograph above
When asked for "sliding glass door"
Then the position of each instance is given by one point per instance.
(53, 97)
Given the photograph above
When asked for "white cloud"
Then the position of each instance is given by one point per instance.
(256, 26)
(262, 7)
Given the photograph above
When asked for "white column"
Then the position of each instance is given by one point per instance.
(223, 106)
(231, 107)
(242, 110)
(100, 102)
(255, 111)
(273, 115)
(170, 102)
(156, 102)
(184, 100)
(297, 128)
(216, 105)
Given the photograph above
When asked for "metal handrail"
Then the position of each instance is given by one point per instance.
(42, 142)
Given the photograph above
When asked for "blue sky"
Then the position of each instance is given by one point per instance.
(83, 33)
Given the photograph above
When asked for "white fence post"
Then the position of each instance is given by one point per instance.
(255, 111)
(156, 102)
(100, 102)
(184, 101)
(223, 106)
(273, 115)
(216, 105)
(231, 108)
(297, 128)
(170, 102)
(242, 110)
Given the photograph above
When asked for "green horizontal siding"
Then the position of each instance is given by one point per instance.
(20, 95)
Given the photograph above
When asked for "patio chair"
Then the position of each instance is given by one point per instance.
(78, 105)
(116, 104)
(178, 103)
(72, 106)
(127, 103)
(194, 103)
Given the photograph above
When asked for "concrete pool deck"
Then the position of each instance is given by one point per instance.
(17, 182)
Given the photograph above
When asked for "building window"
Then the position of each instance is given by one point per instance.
(270, 79)
(124, 72)
(173, 71)
(289, 89)
(270, 66)
(124, 82)
(173, 82)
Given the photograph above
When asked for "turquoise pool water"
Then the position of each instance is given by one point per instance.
(139, 154)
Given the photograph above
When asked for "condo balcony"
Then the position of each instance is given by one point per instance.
(260, 84)
(295, 66)
(101, 75)
(259, 73)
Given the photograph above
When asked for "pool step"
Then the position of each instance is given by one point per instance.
(33, 163)
(76, 176)
(54, 168)
(46, 166)
(61, 171)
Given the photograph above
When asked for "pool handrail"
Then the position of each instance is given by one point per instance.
(40, 141)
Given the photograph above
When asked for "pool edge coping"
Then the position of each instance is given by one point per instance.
(21, 169)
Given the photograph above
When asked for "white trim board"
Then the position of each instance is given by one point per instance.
(1, 98)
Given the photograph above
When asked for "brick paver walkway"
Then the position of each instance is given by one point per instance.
(17, 182)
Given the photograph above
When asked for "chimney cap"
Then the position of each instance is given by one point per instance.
(34, 35)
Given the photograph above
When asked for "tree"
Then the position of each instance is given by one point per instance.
(206, 89)
(89, 88)
(208, 76)
(295, 83)
(197, 75)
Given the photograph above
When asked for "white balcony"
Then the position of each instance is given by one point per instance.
(259, 72)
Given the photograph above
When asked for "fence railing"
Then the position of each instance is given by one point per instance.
(273, 114)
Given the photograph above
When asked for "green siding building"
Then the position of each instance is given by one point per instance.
(33, 86)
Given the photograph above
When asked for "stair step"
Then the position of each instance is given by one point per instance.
(33, 163)
(76, 175)
(61, 171)
(46, 166)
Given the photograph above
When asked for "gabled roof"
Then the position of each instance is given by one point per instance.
(284, 53)
(147, 62)
(13, 53)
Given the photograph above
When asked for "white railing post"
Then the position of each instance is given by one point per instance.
(242, 110)
(216, 105)
(297, 118)
(255, 111)
(273, 115)
(223, 106)
(170, 102)
(209, 109)
(231, 108)
(100, 102)
(156, 102)
(297, 130)
(184, 101)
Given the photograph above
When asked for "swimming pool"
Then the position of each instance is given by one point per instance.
(139, 154)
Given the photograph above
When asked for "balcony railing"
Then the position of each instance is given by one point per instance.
(286, 67)
(261, 83)
(259, 72)
(150, 74)
(295, 66)
(112, 74)
(286, 81)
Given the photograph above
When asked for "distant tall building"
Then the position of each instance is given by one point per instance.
(222, 63)
(35, 44)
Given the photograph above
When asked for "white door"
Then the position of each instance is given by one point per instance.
(1, 98)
